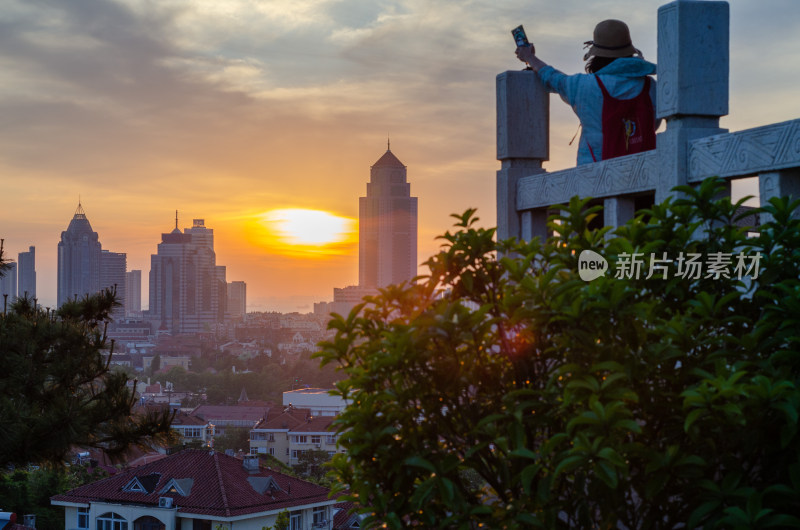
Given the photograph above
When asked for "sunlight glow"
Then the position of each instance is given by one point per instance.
(298, 230)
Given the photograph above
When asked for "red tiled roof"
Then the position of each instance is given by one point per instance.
(185, 419)
(289, 416)
(285, 420)
(219, 487)
(188, 420)
(343, 515)
(318, 424)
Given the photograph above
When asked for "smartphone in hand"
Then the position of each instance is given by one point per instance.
(519, 36)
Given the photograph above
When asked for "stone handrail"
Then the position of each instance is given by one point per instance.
(731, 155)
(618, 176)
(746, 153)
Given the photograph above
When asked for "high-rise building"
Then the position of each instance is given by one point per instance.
(222, 292)
(133, 292)
(237, 300)
(8, 284)
(184, 281)
(27, 273)
(112, 276)
(346, 298)
(387, 231)
(84, 268)
(78, 259)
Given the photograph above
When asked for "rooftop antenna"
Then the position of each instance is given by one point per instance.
(79, 213)
(388, 143)
(176, 219)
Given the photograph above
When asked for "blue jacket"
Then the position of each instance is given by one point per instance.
(624, 79)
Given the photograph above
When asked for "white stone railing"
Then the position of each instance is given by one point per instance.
(692, 94)
(746, 153)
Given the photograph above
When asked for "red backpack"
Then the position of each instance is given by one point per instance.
(628, 124)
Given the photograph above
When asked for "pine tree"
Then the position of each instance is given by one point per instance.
(57, 389)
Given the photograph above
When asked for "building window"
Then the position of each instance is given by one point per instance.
(330, 440)
(295, 521)
(287, 451)
(272, 451)
(301, 439)
(193, 432)
(318, 516)
(83, 517)
(271, 437)
(315, 439)
(111, 521)
(148, 523)
(254, 450)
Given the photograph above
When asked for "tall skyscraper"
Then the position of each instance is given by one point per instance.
(78, 259)
(8, 284)
(112, 276)
(84, 267)
(237, 299)
(184, 281)
(27, 273)
(387, 231)
(133, 292)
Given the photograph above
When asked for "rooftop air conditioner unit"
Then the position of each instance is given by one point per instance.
(165, 502)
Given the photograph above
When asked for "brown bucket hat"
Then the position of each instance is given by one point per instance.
(611, 38)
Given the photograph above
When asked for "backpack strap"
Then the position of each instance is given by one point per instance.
(602, 87)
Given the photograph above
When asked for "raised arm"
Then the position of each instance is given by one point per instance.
(527, 54)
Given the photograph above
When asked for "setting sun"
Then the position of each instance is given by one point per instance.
(309, 231)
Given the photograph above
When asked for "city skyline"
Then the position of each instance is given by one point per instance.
(231, 111)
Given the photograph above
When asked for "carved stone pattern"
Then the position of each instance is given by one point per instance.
(768, 185)
(618, 176)
(746, 152)
(666, 92)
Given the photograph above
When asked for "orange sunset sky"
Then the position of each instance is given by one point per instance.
(227, 110)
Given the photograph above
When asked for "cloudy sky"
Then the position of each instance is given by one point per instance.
(228, 109)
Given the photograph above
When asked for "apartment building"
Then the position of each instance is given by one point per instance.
(290, 434)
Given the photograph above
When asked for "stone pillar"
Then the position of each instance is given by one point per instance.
(778, 184)
(534, 224)
(692, 94)
(617, 211)
(523, 121)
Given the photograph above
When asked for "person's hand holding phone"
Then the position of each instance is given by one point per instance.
(525, 50)
(526, 54)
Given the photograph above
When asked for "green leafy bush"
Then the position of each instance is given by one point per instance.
(503, 391)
